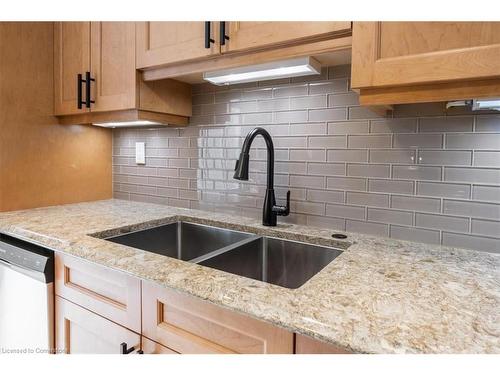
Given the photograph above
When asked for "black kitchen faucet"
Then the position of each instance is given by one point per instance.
(270, 210)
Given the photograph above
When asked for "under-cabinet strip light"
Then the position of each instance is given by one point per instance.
(127, 124)
(302, 66)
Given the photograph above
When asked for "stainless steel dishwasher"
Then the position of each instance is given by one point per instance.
(26, 297)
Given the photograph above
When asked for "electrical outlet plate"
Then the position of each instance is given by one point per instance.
(140, 153)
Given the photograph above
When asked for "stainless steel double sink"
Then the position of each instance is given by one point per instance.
(281, 262)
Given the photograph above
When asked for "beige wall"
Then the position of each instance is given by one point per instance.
(42, 163)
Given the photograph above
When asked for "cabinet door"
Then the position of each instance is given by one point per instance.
(113, 66)
(160, 43)
(79, 331)
(151, 347)
(248, 35)
(409, 53)
(71, 57)
(112, 294)
(189, 325)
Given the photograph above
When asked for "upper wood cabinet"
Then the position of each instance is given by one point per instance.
(71, 57)
(107, 51)
(168, 42)
(250, 35)
(386, 55)
(113, 65)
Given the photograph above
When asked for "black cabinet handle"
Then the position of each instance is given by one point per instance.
(223, 36)
(208, 35)
(88, 80)
(79, 83)
(124, 349)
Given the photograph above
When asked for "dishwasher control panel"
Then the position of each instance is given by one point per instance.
(24, 254)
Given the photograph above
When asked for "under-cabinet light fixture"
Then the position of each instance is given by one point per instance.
(127, 124)
(302, 66)
(490, 104)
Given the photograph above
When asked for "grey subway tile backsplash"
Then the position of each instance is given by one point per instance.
(435, 189)
(391, 186)
(446, 124)
(346, 183)
(390, 216)
(416, 172)
(489, 123)
(367, 199)
(472, 209)
(351, 127)
(345, 211)
(473, 175)
(415, 234)
(418, 140)
(475, 141)
(432, 221)
(368, 170)
(471, 242)
(369, 141)
(444, 157)
(330, 114)
(420, 175)
(347, 155)
(486, 227)
(375, 229)
(416, 203)
(486, 193)
(394, 125)
(487, 158)
(392, 156)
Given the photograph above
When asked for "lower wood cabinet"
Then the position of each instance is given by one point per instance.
(79, 331)
(98, 309)
(192, 326)
(151, 347)
(307, 345)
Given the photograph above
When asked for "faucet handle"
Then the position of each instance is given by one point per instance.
(283, 210)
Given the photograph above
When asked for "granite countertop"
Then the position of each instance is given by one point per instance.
(379, 296)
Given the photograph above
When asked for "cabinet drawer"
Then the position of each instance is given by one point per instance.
(109, 293)
(79, 331)
(151, 347)
(190, 325)
(307, 345)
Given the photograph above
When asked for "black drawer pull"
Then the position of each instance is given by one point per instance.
(88, 80)
(208, 35)
(223, 36)
(124, 349)
(79, 83)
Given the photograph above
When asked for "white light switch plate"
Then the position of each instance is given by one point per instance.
(140, 153)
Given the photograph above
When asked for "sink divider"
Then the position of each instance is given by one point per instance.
(225, 249)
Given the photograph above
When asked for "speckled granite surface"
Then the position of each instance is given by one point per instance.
(379, 296)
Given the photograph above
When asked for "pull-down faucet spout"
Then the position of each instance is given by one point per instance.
(270, 210)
